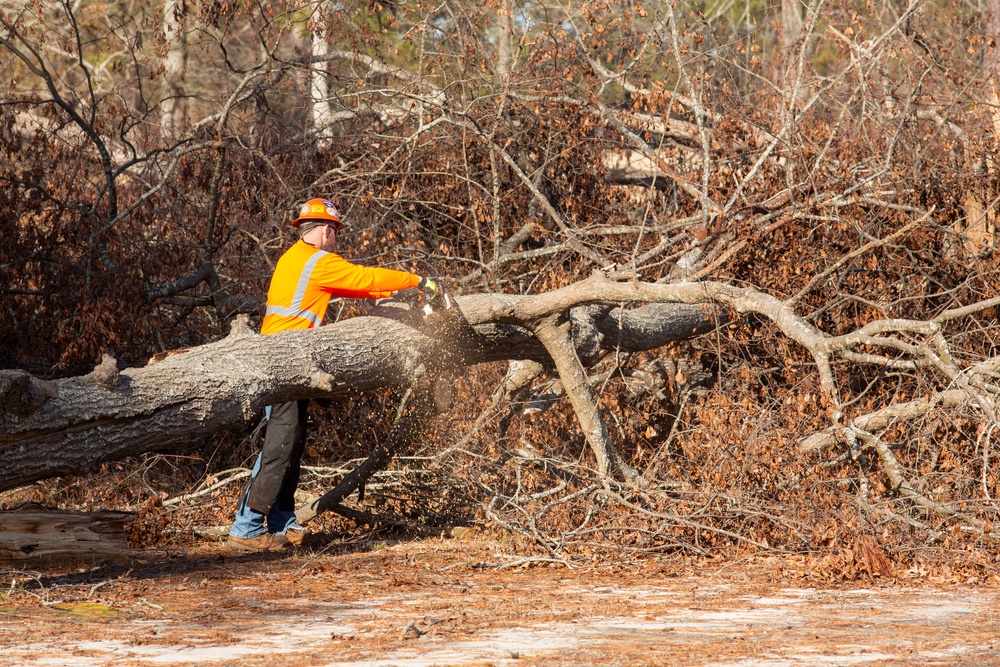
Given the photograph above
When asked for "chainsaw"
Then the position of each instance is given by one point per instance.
(428, 305)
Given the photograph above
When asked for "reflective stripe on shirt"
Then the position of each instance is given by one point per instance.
(294, 312)
(307, 270)
(296, 309)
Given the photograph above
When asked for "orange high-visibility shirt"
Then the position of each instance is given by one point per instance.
(306, 278)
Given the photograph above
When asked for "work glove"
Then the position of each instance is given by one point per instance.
(430, 287)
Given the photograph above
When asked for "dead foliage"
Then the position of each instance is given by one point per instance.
(848, 171)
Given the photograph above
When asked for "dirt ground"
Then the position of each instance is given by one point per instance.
(445, 602)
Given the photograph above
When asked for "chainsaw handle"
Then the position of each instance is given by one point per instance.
(430, 301)
(433, 291)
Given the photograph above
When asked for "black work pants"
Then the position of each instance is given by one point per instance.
(281, 458)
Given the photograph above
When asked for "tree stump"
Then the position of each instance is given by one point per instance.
(32, 534)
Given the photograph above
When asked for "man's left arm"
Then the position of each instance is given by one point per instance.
(344, 279)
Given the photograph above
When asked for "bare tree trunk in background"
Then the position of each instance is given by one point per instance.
(980, 218)
(991, 60)
(791, 25)
(979, 225)
(172, 107)
(320, 84)
(788, 77)
(505, 43)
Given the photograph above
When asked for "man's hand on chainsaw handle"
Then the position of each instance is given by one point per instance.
(431, 288)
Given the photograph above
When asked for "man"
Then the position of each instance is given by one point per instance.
(304, 280)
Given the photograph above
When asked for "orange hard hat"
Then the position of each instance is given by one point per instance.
(320, 210)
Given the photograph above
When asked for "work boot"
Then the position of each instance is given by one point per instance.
(296, 536)
(262, 542)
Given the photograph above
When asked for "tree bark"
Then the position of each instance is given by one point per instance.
(172, 106)
(555, 334)
(991, 61)
(321, 114)
(980, 223)
(35, 534)
(69, 426)
(791, 25)
(505, 43)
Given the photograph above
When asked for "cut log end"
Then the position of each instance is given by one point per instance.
(33, 535)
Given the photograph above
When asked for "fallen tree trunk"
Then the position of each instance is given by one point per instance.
(69, 426)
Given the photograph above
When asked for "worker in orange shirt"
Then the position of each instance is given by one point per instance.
(306, 277)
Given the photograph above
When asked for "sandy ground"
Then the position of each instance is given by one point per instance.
(443, 602)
